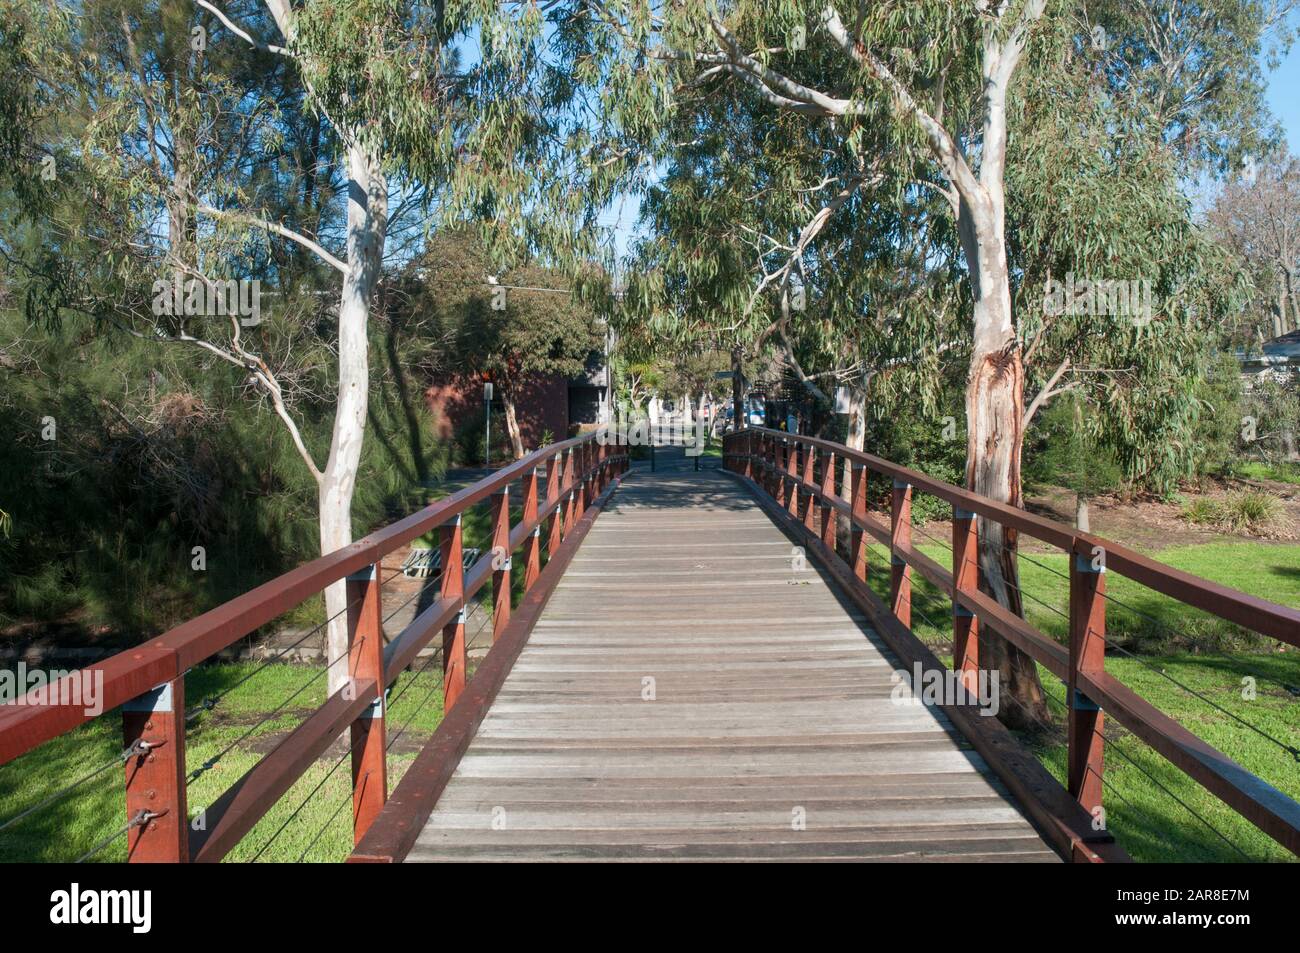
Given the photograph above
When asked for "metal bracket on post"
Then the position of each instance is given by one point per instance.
(376, 709)
(1081, 702)
(1084, 564)
(157, 699)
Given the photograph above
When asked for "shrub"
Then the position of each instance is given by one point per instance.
(1203, 511)
(1252, 510)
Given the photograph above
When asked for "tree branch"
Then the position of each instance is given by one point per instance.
(277, 229)
(242, 33)
(1047, 393)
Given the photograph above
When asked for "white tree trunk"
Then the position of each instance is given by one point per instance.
(995, 434)
(856, 439)
(367, 222)
(512, 427)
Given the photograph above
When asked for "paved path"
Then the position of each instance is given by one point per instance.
(690, 694)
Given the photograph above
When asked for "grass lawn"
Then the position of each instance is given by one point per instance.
(1281, 472)
(1207, 656)
(312, 822)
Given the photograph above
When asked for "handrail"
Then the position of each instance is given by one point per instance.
(148, 681)
(769, 459)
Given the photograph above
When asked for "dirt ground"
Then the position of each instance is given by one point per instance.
(1151, 525)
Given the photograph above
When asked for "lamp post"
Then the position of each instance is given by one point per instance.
(487, 423)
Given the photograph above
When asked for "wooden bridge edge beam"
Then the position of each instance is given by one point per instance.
(1058, 817)
(395, 830)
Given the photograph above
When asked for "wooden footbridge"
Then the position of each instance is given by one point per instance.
(693, 668)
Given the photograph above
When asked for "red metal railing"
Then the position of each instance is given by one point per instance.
(149, 681)
(784, 467)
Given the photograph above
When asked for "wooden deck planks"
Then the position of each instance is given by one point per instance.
(771, 734)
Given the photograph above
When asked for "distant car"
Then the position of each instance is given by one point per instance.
(753, 416)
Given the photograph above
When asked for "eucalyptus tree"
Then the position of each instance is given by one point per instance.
(1119, 292)
(1258, 218)
(923, 98)
(179, 128)
(931, 80)
(1191, 74)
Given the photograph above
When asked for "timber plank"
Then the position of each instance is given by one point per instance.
(772, 732)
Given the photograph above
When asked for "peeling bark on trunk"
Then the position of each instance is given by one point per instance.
(995, 435)
(367, 221)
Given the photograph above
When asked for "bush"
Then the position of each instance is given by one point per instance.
(1203, 511)
(1252, 511)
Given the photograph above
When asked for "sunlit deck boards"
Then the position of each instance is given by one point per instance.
(689, 694)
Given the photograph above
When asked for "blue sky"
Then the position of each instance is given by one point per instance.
(1284, 96)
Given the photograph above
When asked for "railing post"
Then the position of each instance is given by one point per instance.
(747, 448)
(1087, 654)
(533, 542)
(453, 633)
(773, 459)
(553, 492)
(809, 499)
(792, 471)
(154, 725)
(829, 522)
(965, 578)
(781, 450)
(580, 484)
(567, 489)
(570, 510)
(900, 573)
(857, 536)
(501, 561)
(365, 662)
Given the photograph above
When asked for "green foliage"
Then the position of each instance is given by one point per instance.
(155, 453)
(541, 330)
(1066, 452)
(1270, 418)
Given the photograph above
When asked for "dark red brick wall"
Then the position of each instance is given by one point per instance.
(542, 405)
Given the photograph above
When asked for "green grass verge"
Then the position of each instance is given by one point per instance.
(1155, 811)
(312, 822)
(1279, 472)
